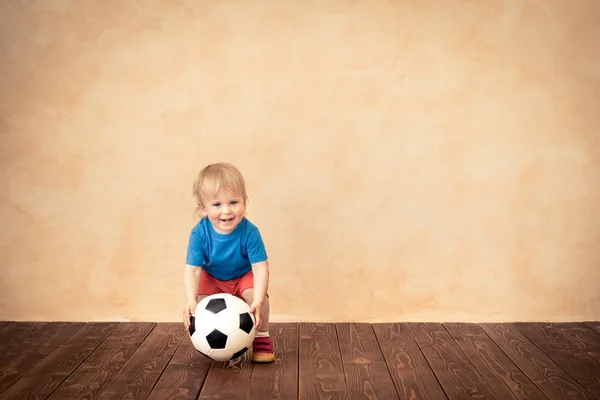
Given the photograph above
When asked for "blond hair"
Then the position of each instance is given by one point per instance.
(215, 177)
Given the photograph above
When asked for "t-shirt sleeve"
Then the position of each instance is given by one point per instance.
(195, 255)
(256, 247)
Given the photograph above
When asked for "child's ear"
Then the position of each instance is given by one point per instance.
(201, 208)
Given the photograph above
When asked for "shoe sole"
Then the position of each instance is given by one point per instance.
(263, 358)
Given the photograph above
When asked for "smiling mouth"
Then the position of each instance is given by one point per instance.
(227, 219)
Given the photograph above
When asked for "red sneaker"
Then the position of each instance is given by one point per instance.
(262, 349)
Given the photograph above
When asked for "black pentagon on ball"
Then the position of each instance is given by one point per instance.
(246, 322)
(216, 339)
(239, 353)
(192, 325)
(216, 305)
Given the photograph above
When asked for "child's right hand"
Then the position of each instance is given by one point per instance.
(189, 309)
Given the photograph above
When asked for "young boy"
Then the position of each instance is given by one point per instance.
(226, 253)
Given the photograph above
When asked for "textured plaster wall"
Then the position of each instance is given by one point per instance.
(406, 160)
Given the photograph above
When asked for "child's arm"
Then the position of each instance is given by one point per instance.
(261, 284)
(191, 281)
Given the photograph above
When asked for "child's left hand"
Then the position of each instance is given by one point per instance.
(256, 309)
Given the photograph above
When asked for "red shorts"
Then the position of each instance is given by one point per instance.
(211, 285)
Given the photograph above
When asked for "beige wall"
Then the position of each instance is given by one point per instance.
(406, 160)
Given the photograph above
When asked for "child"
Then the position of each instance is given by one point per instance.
(226, 253)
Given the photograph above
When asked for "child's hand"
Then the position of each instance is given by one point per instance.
(256, 309)
(189, 309)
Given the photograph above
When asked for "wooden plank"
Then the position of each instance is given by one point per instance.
(45, 376)
(456, 374)
(184, 376)
(19, 360)
(278, 380)
(320, 374)
(593, 325)
(102, 365)
(14, 335)
(557, 357)
(367, 375)
(139, 374)
(4, 324)
(576, 363)
(409, 370)
(500, 373)
(547, 376)
(228, 380)
(582, 337)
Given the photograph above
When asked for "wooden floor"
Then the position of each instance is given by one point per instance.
(59, 360)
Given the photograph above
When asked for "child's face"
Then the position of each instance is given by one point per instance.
(224, 210)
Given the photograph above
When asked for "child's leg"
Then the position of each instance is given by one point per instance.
(248, 296)
(200, 297)
(262, 348)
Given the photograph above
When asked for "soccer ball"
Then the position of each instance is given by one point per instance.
(222, 327)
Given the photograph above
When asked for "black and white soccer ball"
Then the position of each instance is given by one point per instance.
(222, 328)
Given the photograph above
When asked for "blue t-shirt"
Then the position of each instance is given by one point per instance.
(226, 256)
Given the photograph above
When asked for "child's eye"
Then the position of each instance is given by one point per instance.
(217, 205)
(234, 202)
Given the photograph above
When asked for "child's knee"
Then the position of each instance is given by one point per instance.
(248, 295)
(200, 297)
